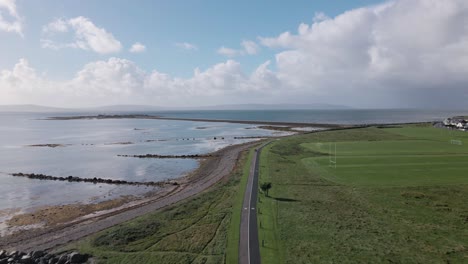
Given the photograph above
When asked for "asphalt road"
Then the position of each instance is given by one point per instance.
(249, 247)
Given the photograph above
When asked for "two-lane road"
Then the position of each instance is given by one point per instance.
(249, 248)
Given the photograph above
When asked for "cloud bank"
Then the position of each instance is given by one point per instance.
(403, 53)
(116, 81)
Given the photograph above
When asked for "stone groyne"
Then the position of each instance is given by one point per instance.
(91, 180)
(155, 156)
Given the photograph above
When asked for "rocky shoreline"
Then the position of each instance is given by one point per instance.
(90, 180)
(41, 257)
(156, 156)
(50, 237)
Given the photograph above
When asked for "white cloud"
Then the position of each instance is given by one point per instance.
(319, 17)
(186, 46)
(228, 52)
(58, 25)
(10, 21)
(137, 48)
(86, 36)
(404, 53)
(400, 53)
(120, 81)
(248, 48)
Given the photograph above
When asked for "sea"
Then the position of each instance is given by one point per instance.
(90, 148)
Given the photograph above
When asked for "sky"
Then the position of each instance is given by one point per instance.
(363, 53)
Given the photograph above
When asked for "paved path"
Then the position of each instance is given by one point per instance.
(249, 247)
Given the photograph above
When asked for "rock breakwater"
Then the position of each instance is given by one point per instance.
(94, 180)
(155, 156)
(40, 257)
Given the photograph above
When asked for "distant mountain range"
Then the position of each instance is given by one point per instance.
(149, 108)
(31, 108)
(272, 107)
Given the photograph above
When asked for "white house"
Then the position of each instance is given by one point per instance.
(447, 121)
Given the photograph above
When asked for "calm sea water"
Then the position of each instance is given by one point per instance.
(90, 150)
(347, 116)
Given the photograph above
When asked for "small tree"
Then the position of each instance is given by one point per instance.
(266, 186)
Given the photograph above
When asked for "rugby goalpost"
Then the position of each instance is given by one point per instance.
(455, 141)
(332, 155)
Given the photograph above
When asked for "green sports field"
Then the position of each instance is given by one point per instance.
(410, 161)
(397, 195)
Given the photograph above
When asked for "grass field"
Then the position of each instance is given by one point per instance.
(398, 195)
(201, 230)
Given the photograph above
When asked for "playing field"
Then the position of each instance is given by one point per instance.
(412, 160)
(397, 195)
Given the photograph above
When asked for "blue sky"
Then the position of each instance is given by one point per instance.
(292, 52)
(159, 25)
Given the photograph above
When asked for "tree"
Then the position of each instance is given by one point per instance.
(266, 186)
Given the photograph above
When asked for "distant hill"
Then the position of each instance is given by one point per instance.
(124, 108)
(32, 108)
(272, 107)
(151, 108)
(109, 108)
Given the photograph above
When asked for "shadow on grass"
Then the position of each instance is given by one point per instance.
(279, 199)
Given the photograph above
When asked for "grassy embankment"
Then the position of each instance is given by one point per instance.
(397, 195)
(204, 229)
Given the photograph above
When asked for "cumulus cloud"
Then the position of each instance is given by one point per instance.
(400, 53)
(86, 36)
(10, 21)
(186, 46)
(248, 48)
(137, 48)
(119, 81)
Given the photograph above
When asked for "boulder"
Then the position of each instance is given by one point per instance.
(77, 258)
(26, 259)
(53, 260)
(48, 256)
(37, 254)
(62, 260)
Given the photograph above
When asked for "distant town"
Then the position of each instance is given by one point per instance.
(458, 122)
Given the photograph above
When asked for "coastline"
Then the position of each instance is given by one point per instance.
(208, 173)
(248, 122)
(80, 225)
(271, 125)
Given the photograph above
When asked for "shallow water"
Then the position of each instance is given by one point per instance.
(90, 150)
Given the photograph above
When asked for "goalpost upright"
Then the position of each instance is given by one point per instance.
(332, 155)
